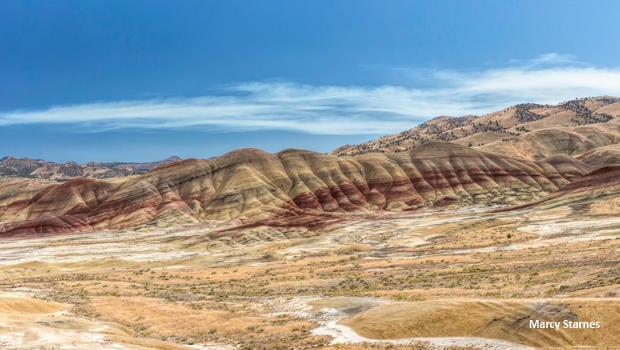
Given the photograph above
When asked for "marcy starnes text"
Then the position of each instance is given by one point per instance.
(566, 324)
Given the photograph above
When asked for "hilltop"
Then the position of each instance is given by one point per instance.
(530, 131)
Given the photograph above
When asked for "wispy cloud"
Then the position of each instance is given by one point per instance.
(548, 59)
(549, 78)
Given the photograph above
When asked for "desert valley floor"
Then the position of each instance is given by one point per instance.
(363, 281)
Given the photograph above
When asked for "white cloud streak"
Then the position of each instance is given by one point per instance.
(345, 110)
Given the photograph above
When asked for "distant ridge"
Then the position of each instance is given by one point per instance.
(42, 169)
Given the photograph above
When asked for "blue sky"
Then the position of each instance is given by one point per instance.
(142, 80)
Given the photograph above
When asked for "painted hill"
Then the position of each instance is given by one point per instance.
(292, 187)
(596, 194)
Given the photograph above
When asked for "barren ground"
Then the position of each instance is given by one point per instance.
(431, 279)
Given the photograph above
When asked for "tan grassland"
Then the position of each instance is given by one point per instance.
(449, 279)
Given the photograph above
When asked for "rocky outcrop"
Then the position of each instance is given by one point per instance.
(250, 185)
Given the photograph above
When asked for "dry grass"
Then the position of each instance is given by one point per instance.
(503, 319)
(454, 274)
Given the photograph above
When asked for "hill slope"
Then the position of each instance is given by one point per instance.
(529, 131)
(252, 185)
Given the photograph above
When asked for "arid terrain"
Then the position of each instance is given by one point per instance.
(452, 235)
(466, 279)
